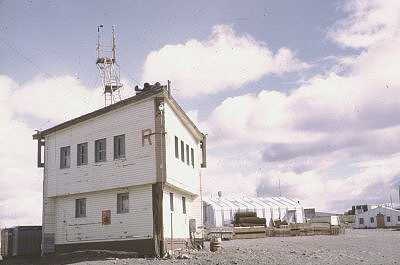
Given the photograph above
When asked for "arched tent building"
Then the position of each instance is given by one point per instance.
(220, 211)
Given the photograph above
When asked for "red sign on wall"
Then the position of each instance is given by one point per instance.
(106, 217)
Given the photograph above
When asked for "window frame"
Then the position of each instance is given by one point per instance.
(65, 157)
(121, 197)
(171, 201)
(118, 147)
(176, 147)
(97, 158)
(182, 151)
(187, 155)
(82, 158)
(192, 156)
(183, 204)
(78, 208)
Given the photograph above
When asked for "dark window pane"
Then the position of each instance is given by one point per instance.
(184, 205)
(123, 202)
(182, 151)
(82, 154)
(192, 156)
(187, 155)
(65, 157)
(100, 150)
(171, 201)
(176, 147)
(119, 146)
(80, 208)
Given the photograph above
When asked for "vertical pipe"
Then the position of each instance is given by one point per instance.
(113, 44)
(172, 235)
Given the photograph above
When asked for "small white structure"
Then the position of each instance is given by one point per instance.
(330, 219)
(124, 177)
(377, 217)
(220, 211)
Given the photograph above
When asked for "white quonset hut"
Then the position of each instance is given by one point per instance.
(220, 210)
(377, 217)
(124, 177)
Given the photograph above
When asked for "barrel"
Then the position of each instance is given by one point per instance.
(215, 244)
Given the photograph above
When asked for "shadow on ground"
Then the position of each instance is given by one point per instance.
(73, 257)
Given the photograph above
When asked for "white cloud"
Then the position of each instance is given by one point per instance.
(224, 61)
(345, 122)
(54, 99)
(6, 86)
(368, 22)
(341, 117)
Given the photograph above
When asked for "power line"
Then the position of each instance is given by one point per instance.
(18, 52)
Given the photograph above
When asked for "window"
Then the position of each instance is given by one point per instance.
(388, 219)
(184, 205)
(65, 159)
(361, 221)
(171, 201)
(192, 156)
(182, 151)
(119, 146)
(82, 154)
(80, 208)
(123, 202)
(372, 220)
(176, 147)
(187, 155)
(100, 150)
(398, 218)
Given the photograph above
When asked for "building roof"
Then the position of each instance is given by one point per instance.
(379, 209)
(160, 91)
(250, 203)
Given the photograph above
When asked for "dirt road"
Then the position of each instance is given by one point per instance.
(353, 247)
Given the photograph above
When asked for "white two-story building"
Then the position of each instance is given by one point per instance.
(124, 177)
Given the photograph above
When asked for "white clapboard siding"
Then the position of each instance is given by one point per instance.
(136, 169)
(179, 173)
(180, 221)
(136, 224)
(195, 210)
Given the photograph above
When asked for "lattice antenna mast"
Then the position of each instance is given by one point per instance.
(108, 68)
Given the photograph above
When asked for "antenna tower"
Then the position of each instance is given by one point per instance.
(108, 68)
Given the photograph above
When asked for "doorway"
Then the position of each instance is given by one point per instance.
(380, 221)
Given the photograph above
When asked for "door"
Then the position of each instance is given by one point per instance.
(380, 221)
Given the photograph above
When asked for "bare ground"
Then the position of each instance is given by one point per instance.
(353, 247)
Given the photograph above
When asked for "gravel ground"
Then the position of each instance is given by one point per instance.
(353, 247)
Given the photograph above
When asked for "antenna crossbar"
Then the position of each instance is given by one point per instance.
(108, 68)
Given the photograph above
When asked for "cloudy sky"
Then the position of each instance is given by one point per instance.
(306, 95)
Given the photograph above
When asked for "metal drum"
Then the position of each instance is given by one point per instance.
(215, 244)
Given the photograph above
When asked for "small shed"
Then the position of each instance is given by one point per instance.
(379, 217)
(219, 211)
(21, 241)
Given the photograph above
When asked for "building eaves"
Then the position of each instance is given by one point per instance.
(131, 100)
